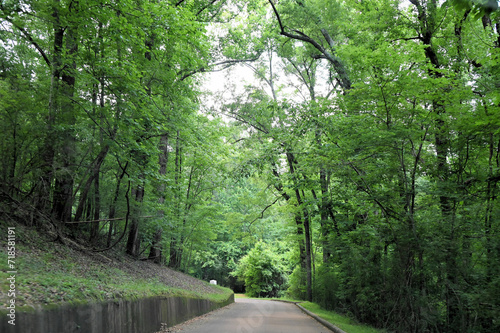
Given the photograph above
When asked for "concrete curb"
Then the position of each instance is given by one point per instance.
(325, 323)
(321, 320)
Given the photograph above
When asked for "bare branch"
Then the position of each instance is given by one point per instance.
(205, 7)
(113, 219)
(262, 212)
(299, 35)
(126, 223)
(208, 68)
(28, 36)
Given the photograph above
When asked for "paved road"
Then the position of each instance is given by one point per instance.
(255, 316)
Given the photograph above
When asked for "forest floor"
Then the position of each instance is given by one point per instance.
(50, 273)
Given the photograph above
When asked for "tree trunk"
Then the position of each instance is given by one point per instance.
(95, 226)
(112, 207)
(175, 245)
(42, 202)
(63, 187)
(94, 172)
(307, 232)
(489, 217)
(427, 17)
(325, 211)
(306, 261)
(156, 251)
(133, 243)
(298, 219)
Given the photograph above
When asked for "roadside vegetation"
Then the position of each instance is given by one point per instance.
(344, 322)
(50, 274)
(351, 158)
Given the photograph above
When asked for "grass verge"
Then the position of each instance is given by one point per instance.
(343, 322)
(50, 274)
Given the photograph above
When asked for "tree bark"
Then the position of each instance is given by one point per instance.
(42, 202)
(427, 20)
(94, 172)
(112, 207)
(306, 263)
(63, 187)
(133, 243)
(156, 251)
(175, 242)
(298, 220)
(95, 226)
(325, 211)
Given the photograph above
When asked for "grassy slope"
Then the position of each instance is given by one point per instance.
(49, 273)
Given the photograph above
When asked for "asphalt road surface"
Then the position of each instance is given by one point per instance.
(255, 316)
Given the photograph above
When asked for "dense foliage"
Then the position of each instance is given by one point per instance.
(368, 142)
(262, 271)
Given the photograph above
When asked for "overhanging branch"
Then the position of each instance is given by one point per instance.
(263, 211)
(209, 68)
(28, 36)
(299, 35)
(113, 219)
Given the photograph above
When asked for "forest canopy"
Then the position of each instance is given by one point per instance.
(358, 166)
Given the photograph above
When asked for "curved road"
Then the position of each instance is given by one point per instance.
(254, 316)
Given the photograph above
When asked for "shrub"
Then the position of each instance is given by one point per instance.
(262, 272)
